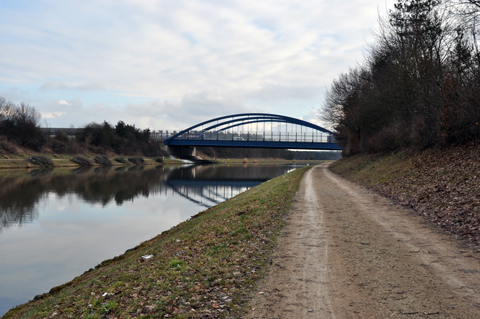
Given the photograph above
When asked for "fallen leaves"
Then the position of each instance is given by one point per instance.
(443, 185)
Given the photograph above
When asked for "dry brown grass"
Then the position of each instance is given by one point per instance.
(443, 185)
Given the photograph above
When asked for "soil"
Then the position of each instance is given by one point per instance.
(349, 253)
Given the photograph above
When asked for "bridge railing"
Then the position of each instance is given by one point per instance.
(161, 135)
(313, 137)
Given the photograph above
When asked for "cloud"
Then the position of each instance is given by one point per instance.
(57, 85)
(16, 94)
(315, 117)
(211, 103)
(181, 60)
(187, 111)
(276, 92)
(52, 115)
(54, 85)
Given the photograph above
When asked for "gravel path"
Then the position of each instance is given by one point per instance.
(348, 253)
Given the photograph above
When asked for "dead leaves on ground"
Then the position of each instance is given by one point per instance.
(443, 185)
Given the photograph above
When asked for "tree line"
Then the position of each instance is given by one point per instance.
(121, 138)
(419, 84)
(20, 125)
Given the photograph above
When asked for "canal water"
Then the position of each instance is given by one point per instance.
(56, 224)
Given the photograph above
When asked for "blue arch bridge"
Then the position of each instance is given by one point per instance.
(252, 130)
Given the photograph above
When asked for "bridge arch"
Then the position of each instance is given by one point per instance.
(255, 130)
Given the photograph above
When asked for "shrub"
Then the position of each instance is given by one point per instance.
(82, 161)
(8, 147)
(41, 161)
(121, 160)
(136, 160)
(102, 160)
(62, 136)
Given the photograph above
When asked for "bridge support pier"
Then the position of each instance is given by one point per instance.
(182, 151)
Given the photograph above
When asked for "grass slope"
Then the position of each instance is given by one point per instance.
(20, 161)
(443, 185)
(205, 267)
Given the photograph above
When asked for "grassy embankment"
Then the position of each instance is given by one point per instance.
(20, 161)
(443, 185)
(206, 267)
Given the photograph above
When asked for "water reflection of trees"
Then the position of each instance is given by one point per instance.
(119, 186)
(20, 195)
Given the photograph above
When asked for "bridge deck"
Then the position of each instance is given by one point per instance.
(257, 144)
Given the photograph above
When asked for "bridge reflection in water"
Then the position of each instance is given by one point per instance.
(211, 193)
(208, 186)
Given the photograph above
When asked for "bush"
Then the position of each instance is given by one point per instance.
(41, 161)
(82, 161)
(59, 147)
(136, 160)
(62, 136)
(7, 147)
(121, 160)
(63, 146)
(102, 160)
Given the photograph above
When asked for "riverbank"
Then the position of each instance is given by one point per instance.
(442, 185)
(204, 267)
(21, 161)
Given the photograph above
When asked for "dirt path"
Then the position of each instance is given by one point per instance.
(348, 253)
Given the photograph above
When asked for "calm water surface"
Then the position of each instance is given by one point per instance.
(56, 224)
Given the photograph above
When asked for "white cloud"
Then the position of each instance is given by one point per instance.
(276, 92)
(52, 115)
(186, 60)
(57, 85)
(315, 117)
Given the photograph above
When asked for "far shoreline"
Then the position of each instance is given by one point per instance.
(65, 161)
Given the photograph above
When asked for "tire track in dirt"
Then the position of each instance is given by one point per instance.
(348, 253)
(296, 286)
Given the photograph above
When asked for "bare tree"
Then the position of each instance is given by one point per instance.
(396, 99)
(21, 124)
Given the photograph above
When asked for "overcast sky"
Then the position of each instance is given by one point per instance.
(169, 64)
